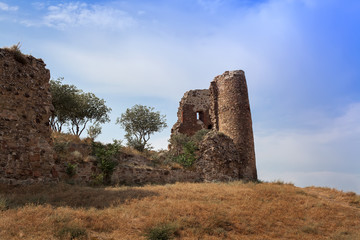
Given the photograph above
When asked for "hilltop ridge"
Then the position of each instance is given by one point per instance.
(232, 210)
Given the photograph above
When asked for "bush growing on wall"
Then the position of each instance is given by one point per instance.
(106, 158)
(184, 148)
(70, 169)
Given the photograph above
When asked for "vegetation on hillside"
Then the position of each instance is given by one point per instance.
(184, 149)
(181, 211)
(106, 158)
(140, 122)
(18, 55)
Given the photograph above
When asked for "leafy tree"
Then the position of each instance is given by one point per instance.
(63, 100)
(94, 131)
(76, 108)
(139, 123)
(88, 108)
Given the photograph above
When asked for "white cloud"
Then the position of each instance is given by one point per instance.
(75, 14)
(140, 72)
(330, 150)
(6, 7)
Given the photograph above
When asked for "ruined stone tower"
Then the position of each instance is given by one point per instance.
(193, 113)
(230, 114)
(223, 108)
(26, 154)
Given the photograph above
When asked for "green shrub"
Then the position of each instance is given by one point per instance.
(70, 169)
(161, 232)
(188, 157)
(105, 155)
(184, 148)
(177, 141)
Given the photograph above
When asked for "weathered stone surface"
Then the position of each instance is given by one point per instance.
(131, 175)
(219, 158)
(26, 154)
(130, 170)
(193, 112)
(230, 114)
(227, 110)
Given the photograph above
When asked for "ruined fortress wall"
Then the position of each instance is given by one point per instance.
(193, 113)
(26, 154)
(230, 114)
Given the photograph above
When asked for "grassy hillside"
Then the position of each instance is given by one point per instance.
(180, 211)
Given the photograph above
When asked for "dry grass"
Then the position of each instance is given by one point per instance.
(68, 137)
(181, 211)
(18, 55)
(132, 151)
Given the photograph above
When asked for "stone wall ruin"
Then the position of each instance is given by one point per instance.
(227, 110)
(26, 154)
(193, 113)
(230, 113)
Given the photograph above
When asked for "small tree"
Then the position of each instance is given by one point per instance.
(94, 131)
(74, 107)
(88, 108)
(139, 123)
(63, 100)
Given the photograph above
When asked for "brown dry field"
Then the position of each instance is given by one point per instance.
(189, 211)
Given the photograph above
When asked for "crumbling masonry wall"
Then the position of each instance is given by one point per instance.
(230, 114)
(26, 154)
(227, 110)
(193, 114)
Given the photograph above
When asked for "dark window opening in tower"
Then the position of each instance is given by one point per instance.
(200, 116)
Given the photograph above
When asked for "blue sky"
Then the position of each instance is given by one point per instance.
(301, 59)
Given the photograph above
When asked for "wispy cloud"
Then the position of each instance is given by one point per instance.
(68, 15)
(331, 148)
(6, 7)
(75, 14)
